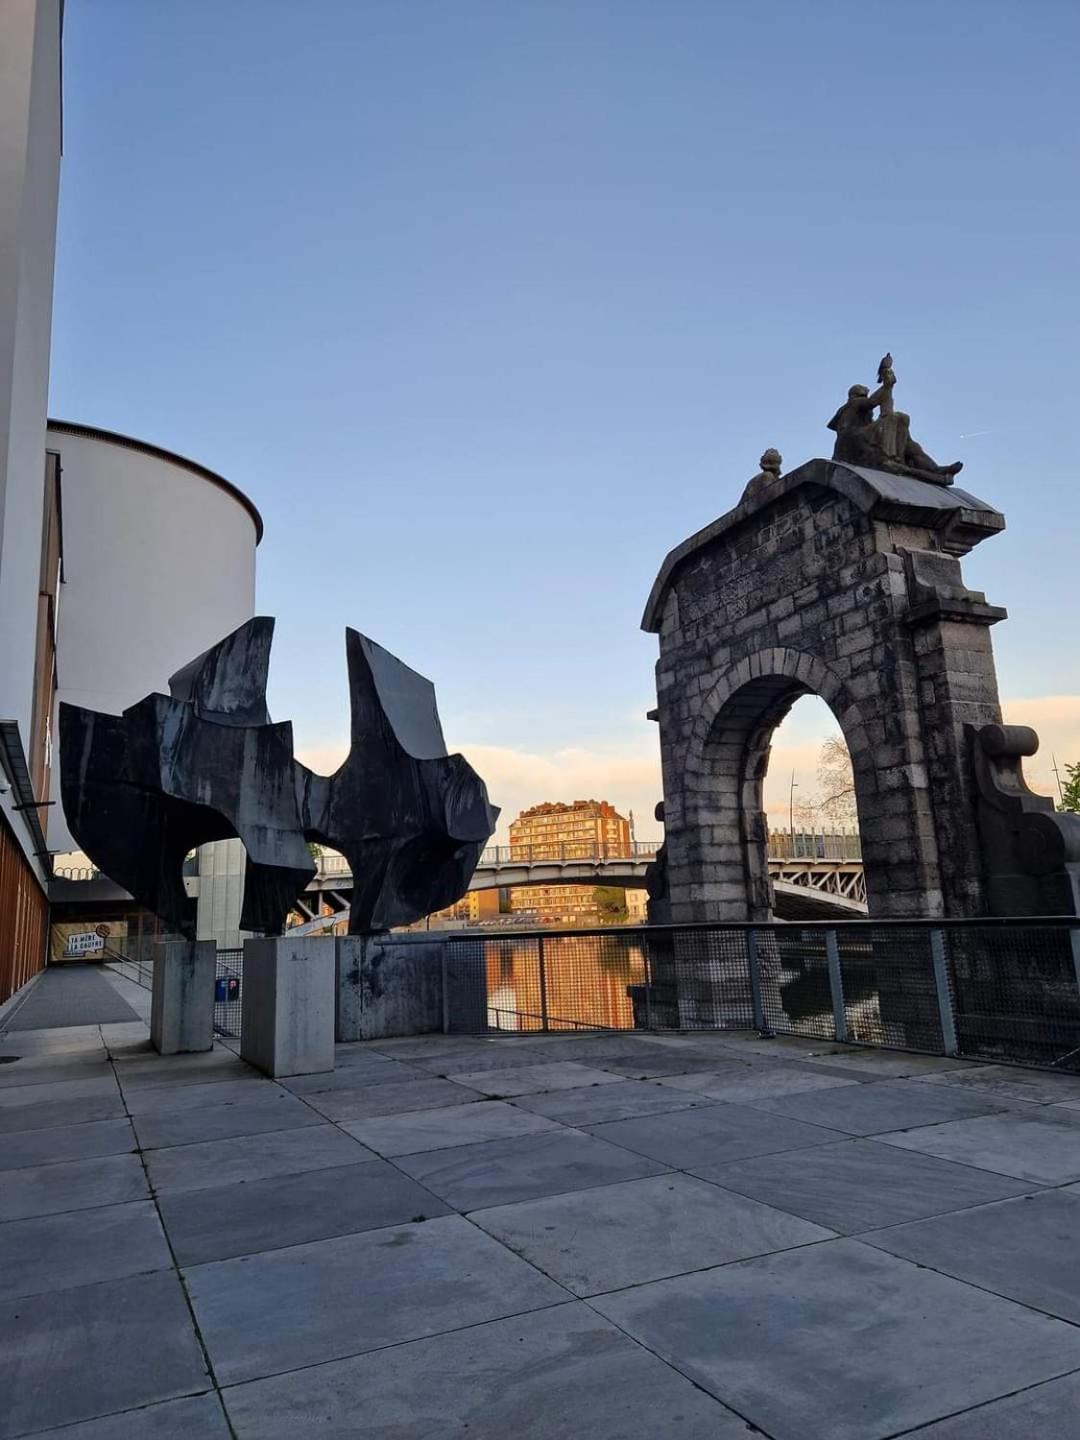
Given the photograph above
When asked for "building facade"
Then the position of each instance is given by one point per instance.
(560, 831)
(30, 558)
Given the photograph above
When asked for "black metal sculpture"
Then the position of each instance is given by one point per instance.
(206, 763)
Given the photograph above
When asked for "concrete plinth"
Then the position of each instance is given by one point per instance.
(389, 985)
(182, 999)
(288, 1005)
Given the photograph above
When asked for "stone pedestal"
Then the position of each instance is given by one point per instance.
(288, 1005)
(182, 1000)
(389, 985)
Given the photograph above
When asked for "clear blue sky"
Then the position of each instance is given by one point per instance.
(488, 303)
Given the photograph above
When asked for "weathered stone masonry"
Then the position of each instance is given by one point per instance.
(844, 583)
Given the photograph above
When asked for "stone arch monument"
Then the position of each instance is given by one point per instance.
(843, 580)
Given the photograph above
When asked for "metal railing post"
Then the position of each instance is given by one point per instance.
(445, 992)
(543, 982)
(754, 965)
(1074, 942)
(648, 989)
(944, 994)
(836, 986)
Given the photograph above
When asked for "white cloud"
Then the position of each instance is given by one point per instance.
(628, 774)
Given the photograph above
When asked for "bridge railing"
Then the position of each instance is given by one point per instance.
(987, 989)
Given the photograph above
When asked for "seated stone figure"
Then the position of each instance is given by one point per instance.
(883, 443)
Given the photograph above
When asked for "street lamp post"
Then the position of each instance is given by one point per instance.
(791, 813)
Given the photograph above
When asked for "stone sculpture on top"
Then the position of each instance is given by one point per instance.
(884, 442)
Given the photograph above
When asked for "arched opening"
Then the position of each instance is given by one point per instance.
(814, 843)
(719, 834)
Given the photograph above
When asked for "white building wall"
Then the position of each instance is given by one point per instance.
(29, 181)
(159, 564)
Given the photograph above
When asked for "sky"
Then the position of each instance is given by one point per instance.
(488, 304)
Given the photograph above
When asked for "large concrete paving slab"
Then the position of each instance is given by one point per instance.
(711, 1134)
(1044, 1412)
(311, 1303)
(48, 1114)
(1027, 1249)
(598, 1103)
(177, 1099)
(148, 1080)
(80, 1247)
(758, 1082)
(48, 1069)
(875, 1109)
(619, 1235)
(267, 1107)
(75, 1354)
(418, 1130)
(252, 1157)
(1010, 1082)
(882, 1064)
(1036, 1144)
(854, 1185)
(200, 1417)
(65, 1142)
(360, 1072)
(501, 1172)
(534, 1079)
(660, 1060)
(554, 1374)
(72, 1185)
(363, 1101)
(268, 1214)
(829, 1341)
(483, 1057)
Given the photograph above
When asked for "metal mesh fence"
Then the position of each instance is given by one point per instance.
(1005, 1010)
(990, 990)
(228, 992)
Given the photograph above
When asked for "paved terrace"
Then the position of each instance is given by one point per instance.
(614, 1237)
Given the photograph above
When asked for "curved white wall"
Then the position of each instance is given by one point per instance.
(159, 564)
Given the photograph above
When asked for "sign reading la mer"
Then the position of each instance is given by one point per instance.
(83, 943)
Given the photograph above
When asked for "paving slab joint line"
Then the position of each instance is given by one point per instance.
(973, 1284)
(983, 1405)
(211, 1373)
(752, 1426)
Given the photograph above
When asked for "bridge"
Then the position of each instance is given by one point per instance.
(815, 876)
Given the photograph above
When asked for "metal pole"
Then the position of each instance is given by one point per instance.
(648, 988)
(445, 992)
(543, 982)
(754, 964)
(791, 814)
(1074, 942)
(944, 995)
(836, 986)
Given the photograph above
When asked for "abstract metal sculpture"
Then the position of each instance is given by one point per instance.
(204, 763)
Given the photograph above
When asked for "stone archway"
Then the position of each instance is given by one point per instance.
(727, 756)
(844, 583)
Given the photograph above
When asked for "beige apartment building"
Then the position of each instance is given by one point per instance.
(560, 831)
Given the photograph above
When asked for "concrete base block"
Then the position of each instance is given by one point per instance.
(388, 985)
(288, 1005)
(182, 998)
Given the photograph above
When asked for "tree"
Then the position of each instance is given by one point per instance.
(836, 781)
(1070, 791)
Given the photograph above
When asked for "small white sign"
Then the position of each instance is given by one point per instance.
(83, 943)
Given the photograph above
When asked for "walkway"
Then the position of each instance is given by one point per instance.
(620, 1237)
(71, 994)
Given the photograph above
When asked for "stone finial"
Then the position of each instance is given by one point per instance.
(770, 464)
(883, 442)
